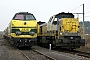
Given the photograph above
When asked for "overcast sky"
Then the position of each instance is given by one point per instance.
(42, 9)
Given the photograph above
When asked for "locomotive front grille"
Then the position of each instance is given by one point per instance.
(18, 32)
(71, 34)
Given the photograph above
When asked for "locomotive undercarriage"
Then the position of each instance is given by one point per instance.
(69, 42)
(21, 42)
(65, 42)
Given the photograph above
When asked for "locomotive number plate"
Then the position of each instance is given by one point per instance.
(25, 30)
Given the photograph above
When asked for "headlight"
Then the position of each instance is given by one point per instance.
(60, 33)
(32, 33)
(18, 32)
(71, 37)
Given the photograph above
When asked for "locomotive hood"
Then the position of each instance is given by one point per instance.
(20, 23)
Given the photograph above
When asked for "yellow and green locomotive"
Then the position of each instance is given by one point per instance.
(22, 30)
(62, 30)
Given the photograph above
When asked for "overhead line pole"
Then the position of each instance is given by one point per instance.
(83, 21)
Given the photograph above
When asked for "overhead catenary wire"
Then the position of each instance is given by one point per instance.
(81, 13)
(76, 8)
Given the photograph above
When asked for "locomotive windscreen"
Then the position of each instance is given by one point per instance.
(24, 16)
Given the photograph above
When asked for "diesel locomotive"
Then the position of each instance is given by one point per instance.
(62, 30)
(22, 30)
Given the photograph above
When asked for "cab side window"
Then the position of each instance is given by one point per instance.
(55, 21)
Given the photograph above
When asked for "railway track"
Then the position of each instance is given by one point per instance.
(25, 55)
(28, 54)
(79, 53)
(35, 55)
(48, 57)
(75, 52)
